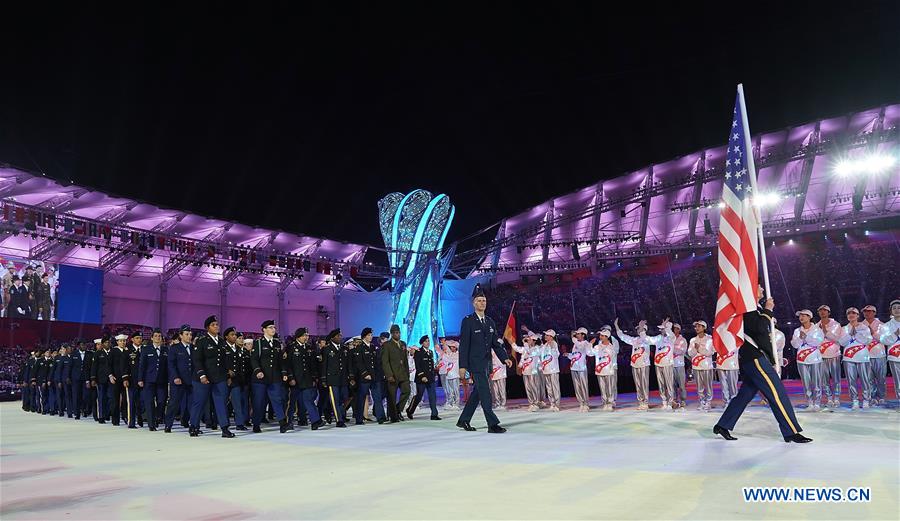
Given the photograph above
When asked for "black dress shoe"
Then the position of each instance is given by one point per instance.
(152, 429)
(341, 425)
(496, 429)
(141, 424)
(409, 414)
(227, 433)
(240, 428)
(395, 420)
(290, 426)
(359, 422)
(132, 427)
(101, 422)
(303, 423)
(185, 425)
(283, 427)
(256, 429)
(381, 421)
(401, 418)
(168, 429)
(723, 432)
(315, 425)
(435, 417)
(465, 426)
(194, 433)
(797, 438)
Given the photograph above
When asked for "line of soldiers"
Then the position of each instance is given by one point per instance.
(213, 378)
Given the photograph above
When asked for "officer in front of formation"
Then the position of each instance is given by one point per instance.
(478, 336)
(755, 357)
(395, 363)
(335, 373)
(302, 367)
(153, 377)
(210, 378)
(369, 373)
(181, 373)
(101, 370)
(265, 360)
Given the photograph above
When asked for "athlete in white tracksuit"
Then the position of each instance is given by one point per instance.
(549, 366)
(529, 363)
(806, 340)
(605, 354)
(890, 337)
(877, 356)
(679, 347)
(855, 340)
(498, 382)
(831, 356)
(664, 360)
(578, 368)
(728, 369)
(448, 369)
(701, 351)
(640, 360)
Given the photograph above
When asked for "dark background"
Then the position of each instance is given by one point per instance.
(301, 118)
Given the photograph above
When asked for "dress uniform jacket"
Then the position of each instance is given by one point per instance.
(76, 368)
(476, 340)
(132, 360)
(394, 361)
(65, 365)
(335, 367)
(757, 325)
(302, 364)
(154, 368)
(424, 365)
(367, 362)
(101, 366)
(180, 365)
(86, 365)
(266, 358)
(208, 358)
(237, 364)
(42, 370)
(18, 299)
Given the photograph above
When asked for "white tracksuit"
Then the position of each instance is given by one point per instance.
(578, 370)
(891, 340)
(664, 360)
(605, 368)
(728, 370)
(448, 368)
(877, 360)
(498, 381)
(529, 363)
(640, 363)
(680, 346)
(701, 352)
(549, 366)
(809, 361)
(831, 360)
(856, 360)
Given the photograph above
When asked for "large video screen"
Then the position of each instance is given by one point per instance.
(40, 290)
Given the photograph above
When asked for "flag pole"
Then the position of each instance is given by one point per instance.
(751, 167)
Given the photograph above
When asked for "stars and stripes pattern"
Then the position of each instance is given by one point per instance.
(738, 242)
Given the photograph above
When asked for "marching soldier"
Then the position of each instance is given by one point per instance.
(335, 372)
(132, 389)
(42, 376)
(118, 364)
(267, 376)
(210, 378)
(153, 378)
(424, 361)
(181, 371)
(64, 394)
(101, 371)
(759, 375)
(396, 372)
(75, 382)
(302, 369)
(478, 337)
(368, 370)
(237, 367)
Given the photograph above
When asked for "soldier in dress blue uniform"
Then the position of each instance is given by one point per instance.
(336, 374)
(181, 372)
(755, 357)
(366, 365)
(302, 369)
(25, 378)
(75, 382)
(42, 375)
(119, 363)
(235, 367)
(153, 378)
(89, 407)
(265, 360)
(100, 373)
(63, 385)
(478, 335)
(55, 382)
(210, 378)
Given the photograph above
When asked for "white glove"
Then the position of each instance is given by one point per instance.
(22, 311)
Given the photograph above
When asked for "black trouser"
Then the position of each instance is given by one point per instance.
(395, 405)
(480, 394)
(116, 392)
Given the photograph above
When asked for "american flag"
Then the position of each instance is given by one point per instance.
(738, 240)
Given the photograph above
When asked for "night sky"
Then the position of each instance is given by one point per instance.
(301, 120)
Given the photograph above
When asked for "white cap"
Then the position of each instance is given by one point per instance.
(804, 312)
(121, 337)
(605, 332)
(895, 301)
(676, 325)
(825, 307)
(701, 323)
(453, 343)
(852, 309)
(550, 332)
(248, 340)
(870, 307)
(98, 340)
(582, 330)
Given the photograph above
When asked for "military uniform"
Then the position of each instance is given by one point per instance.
(119, 365)
(133, 391)
(265, 361)
(237, 365)
(335, 371)
(370, 378)
(396, 373)
(181, 368)
(425, 381)
(154, 374)
(477, 338)
(208, 359)
(755, 359)
(101, 368)
(302, 367)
